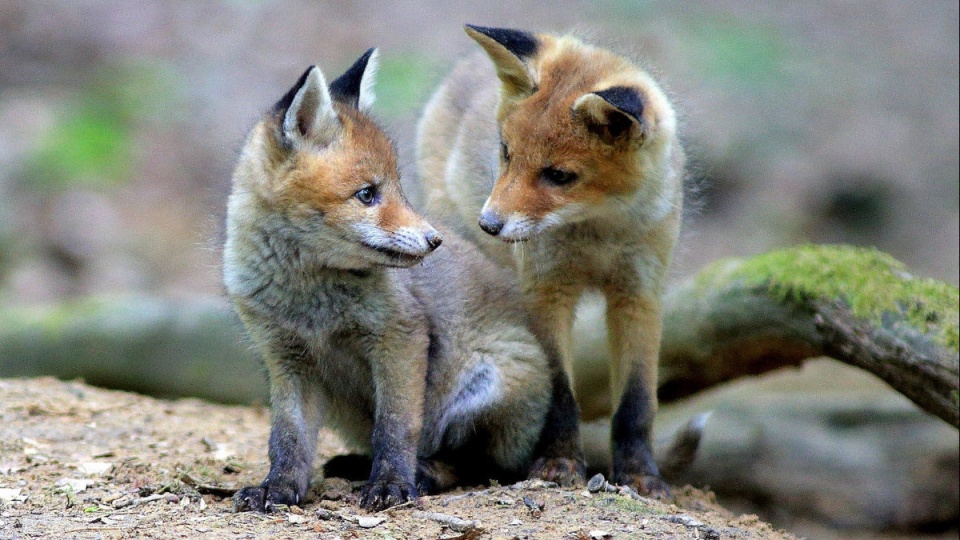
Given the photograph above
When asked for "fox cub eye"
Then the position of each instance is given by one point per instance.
(557, 177)
(366, 195)
(504, 151)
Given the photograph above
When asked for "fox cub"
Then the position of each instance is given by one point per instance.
(427, 366)
(567, 156)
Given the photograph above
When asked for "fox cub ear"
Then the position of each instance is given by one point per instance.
(614, 114)
(307, 111)
(510, 50)
(355, 86)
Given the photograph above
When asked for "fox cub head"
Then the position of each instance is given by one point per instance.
(583, 133)
(318, 170)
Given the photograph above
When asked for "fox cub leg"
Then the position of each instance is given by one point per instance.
(398, 418)
(634, 324)
(295, 415)
(558, 456)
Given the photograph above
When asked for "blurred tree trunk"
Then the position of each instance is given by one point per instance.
(154, 346)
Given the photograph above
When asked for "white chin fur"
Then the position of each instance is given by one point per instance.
(519, 227)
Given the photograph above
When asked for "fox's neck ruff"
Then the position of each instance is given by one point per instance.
(267, 264)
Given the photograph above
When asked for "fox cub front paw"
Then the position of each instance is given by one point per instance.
(645, 484)
(379, 494)
(564, 471)
(265, 498)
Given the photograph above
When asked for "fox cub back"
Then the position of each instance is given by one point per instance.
(426, 366)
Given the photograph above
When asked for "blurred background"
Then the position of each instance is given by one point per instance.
(806, 122)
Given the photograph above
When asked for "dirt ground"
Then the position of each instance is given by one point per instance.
(83, 462)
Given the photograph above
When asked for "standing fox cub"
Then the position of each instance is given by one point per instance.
(569, 153)
(427, 366)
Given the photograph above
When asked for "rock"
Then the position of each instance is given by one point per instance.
(75, 485)
(596, 483)
(95, 468)
(369, 522)
(10, 494)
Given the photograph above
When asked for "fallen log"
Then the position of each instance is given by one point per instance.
(741, 317)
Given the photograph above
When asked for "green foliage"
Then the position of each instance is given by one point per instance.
(730, 51)
(870, 282)
(403, 83)
(90, 144)
(725, 49)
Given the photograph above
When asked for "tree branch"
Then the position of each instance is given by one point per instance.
(750, 316)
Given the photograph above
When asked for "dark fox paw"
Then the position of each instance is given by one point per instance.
(264, 499)
(377, 495)
(434, 476)
(647, 485)
(564, 471)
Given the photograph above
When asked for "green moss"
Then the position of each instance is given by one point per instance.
(870, 282)
(625, 503)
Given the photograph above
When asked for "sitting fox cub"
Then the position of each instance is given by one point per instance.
(567, 155)
(425, 365)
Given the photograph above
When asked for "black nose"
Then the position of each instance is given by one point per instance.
(491, 223)
(433, 239)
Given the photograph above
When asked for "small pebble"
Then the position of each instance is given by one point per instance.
(369, 522)
(596, 483)
(95, 468)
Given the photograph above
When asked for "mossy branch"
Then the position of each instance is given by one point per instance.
(748, 316)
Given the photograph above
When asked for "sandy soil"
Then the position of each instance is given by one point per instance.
(82, 462)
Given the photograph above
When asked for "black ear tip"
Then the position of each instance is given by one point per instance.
(519, 42)
(346, 88)
(360, 65)
(624, 98)
(489, 31)
(365, 57)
